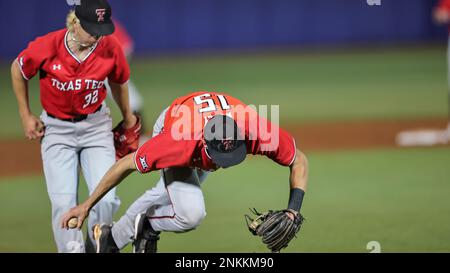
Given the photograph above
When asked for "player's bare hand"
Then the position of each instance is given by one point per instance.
(291, 214)
(33, 127)
(79, 212)
(129, 121)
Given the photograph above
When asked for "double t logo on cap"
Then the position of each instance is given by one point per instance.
(100, 14)
(95, 17)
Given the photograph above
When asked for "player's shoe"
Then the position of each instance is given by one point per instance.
(104, 240)
(145, 237)
(89, 246)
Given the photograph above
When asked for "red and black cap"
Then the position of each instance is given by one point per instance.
(95, 17)
(225, 144)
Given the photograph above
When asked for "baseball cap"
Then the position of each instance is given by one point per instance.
(95, 17)
(224, 141)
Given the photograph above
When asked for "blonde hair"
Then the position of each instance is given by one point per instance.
(71, 20)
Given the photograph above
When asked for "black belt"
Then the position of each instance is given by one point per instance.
(75, 119)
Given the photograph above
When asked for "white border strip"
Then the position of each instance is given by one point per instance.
(206, 152)
(21, 71)
(134, 159)
(295, 152)
(71, 53)
(92, 50)
(67, 47)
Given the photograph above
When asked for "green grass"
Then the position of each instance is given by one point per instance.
(396, 197)
(397, 83)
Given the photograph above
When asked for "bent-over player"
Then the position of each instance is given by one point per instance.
(196, 134)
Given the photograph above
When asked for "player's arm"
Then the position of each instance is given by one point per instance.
(113, 177)
(285, 153)
(298, 180)
(32, 126)
(121, 97)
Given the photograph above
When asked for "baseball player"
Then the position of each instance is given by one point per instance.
(441, 15)
(75, 124)
(196, 134)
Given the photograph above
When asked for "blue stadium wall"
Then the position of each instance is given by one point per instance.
(174, 25)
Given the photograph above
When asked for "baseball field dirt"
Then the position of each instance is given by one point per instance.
(24, 156)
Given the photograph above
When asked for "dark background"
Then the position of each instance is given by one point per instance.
(180, 25)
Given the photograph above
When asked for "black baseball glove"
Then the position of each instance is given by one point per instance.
(275, 227)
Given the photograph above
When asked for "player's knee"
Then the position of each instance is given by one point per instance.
(192, 218)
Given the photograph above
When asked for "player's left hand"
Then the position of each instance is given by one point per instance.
(291, 213)
(276, 228)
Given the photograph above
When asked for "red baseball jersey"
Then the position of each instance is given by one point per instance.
(70, 87)
(180, 143)
(445, 6)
